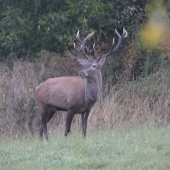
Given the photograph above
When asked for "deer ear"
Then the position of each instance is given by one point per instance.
(101, 61)
(82, 61)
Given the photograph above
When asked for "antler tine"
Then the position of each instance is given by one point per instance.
(119, 41)
(121, 38)
(77, 36)
(83, 43)
(83, 52)
(77, 50)
(125, 34)
(93, 51)
(87, 37)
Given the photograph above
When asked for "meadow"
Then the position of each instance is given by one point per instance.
(144, 147)
(128, 128)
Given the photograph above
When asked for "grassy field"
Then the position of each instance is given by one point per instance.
(140, 148)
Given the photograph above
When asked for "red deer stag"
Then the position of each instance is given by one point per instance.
(76, 95)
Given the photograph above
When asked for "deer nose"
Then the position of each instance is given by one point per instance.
(81, 73)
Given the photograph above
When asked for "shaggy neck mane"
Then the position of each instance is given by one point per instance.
(93, 88)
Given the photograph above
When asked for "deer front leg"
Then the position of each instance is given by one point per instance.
(69, 119)
(84, 122)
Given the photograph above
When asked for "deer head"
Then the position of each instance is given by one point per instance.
(90, 67)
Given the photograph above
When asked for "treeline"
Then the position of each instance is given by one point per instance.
(29, 26)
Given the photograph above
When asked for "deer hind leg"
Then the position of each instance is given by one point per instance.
(43, 122)
(84, 122)
(51, 112)
(69, 119)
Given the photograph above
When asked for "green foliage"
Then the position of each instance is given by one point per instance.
(27, 27)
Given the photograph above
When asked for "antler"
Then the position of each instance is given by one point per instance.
(82, 51)
(93, 51)
(121, 38)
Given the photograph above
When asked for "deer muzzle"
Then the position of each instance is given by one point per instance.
(82, 74)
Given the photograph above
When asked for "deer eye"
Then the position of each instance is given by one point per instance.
(94, 66)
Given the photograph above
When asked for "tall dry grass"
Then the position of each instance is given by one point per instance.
(136, 102)
(17, 101)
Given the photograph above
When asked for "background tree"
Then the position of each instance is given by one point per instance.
(27, 27)
(30, 26)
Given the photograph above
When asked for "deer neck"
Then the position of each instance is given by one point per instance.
(93, 88)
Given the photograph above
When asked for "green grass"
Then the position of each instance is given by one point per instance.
(139, 148)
